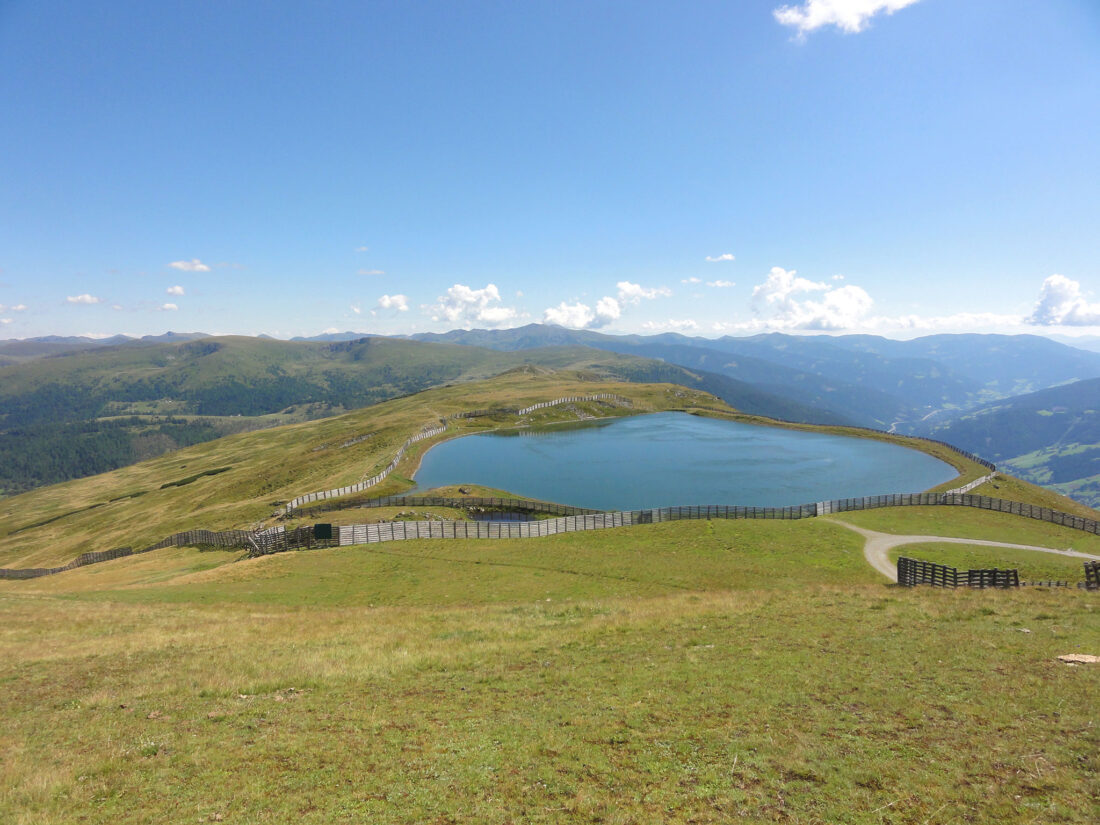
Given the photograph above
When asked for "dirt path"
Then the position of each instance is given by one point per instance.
(878, 546)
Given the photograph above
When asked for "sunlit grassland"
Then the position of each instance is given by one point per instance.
(639, 561)
(693, 671)
(686, 672)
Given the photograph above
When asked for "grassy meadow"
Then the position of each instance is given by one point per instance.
(684, 672)
(688, 672)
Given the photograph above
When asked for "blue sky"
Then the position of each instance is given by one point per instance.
(898, 167)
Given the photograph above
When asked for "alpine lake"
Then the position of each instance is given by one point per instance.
(669, 459)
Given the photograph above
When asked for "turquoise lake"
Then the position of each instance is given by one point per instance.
(668, 459)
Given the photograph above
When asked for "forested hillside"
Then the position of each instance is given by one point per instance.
(1051, 437)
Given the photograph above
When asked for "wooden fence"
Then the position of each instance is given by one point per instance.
(913, 572)
(223, 540)
(595, 520)
(80, 561)
(978, 482)
(278, 539)
(402, 530)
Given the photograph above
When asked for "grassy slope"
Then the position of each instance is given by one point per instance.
(1016, 489)
(684, 672)
(573, 679)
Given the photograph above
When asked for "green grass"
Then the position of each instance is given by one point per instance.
(827, 703)
(641, 561)
(1012, 488)
(685, 672)
(967, 522)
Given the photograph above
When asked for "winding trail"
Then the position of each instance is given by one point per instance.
(878, 546)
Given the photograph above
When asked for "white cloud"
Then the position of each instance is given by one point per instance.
(193, 265)
(496, 315)
(83, 299)
(845, 309)
(671, 324)
(839, 307)
(725, 256)
(838, 277)
(169, 307)
(608, 310)
(356, 309)
(5, 320)
(174, 290)
(847, 15)
(16, 308)
(371, 272)
(398, 302)
(691, 280)
(781, 284)
(574, 316)
(116, 307)
(721, 284)
(361, 248)
(1062, 304)
(330, 331)
(465, 306)
(633, 293)
(582, 316)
